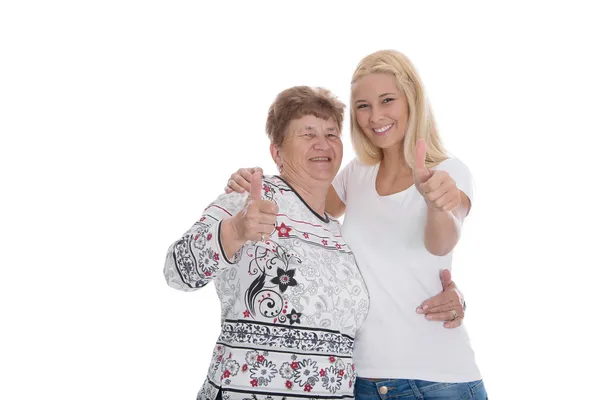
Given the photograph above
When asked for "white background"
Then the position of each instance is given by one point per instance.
(121, 120)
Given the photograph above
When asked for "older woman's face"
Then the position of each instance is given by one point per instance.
(312, 150)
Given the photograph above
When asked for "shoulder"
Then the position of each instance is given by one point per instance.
(453, 166)
(357, 166)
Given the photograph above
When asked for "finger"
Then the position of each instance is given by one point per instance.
(438, 179)
(246, 175)
(453, 324)
(433, 195)
(234, 186)
(421, 174)
(453, 204)
(447, 296)
(268, 207)
(448, 307)
(446, 278)
(445, 200)
(268, 219)
(241, 181)
(256, 169)
(433, 303)
(227, 189)
(444, 316)
(256, 186)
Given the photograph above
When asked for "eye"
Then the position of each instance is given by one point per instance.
(388, 99)
(362, 106)
(333, 136)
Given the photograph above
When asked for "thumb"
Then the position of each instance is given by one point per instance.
(421, 172)
(256, 186)
(446, 278)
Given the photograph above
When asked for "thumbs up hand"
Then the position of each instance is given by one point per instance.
(257, 219)
(437, 187)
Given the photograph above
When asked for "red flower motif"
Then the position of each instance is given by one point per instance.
(254, 382)
(202, 219)
(295, 365)
(197, 236)
(209, 236)
(266, 188)
(324, 242)
(289, 384)
(332, 359)
(322, 372)
(307, 387)
(244, 367)
(341, 372)
(338, 246)
(305, 235)
(260, 358)
(220, 357)
(352, 367)
(208, 273)
(246, 314)
(216, 257)
(226, 374)
(283, 230)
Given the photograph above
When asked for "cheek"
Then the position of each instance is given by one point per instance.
(362, 118)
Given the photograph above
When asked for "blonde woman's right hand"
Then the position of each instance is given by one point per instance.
(258, 218)
(240, 180)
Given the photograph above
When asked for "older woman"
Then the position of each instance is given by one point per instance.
(291, 294)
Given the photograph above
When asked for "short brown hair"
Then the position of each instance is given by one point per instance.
(298, 101)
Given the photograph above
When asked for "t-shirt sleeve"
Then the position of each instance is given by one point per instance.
(461, 175)
(340, 183)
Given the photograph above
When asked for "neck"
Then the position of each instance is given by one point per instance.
(393, 161)
(313, 193)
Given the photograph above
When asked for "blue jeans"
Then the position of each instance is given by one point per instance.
(408, 389)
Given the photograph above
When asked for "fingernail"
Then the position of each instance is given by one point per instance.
(425, 307)
(419, 310)
(428, 316)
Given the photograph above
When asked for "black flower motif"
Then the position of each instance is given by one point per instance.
(294, 317)
(284, 279)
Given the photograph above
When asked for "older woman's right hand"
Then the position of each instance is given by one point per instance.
(258, 218)
(240, 180)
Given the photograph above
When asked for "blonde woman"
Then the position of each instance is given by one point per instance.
(405, 200)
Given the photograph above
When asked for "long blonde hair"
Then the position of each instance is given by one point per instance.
(421, 124)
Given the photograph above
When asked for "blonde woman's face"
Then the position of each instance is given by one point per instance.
(381, 109)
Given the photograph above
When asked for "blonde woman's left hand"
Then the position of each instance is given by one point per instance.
(437, 187)
(447, 306)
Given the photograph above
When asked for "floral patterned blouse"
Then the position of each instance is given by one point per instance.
(291, 304)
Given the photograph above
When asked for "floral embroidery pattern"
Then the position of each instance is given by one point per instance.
(283, 337)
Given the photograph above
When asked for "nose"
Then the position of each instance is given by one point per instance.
(376, 114)
(321, 143)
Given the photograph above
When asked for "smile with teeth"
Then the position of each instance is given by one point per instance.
(383, 129)
(320, 159)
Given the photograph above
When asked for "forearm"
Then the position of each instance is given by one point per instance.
(442, 231)
(230, 240)
(194, 260)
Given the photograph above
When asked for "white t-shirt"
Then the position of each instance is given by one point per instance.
(386, 236)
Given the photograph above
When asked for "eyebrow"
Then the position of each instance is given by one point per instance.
(381, 95)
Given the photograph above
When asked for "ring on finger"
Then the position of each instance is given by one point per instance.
(262, 237)
(454, 315)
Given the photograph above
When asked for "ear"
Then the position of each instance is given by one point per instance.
(275, 153)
